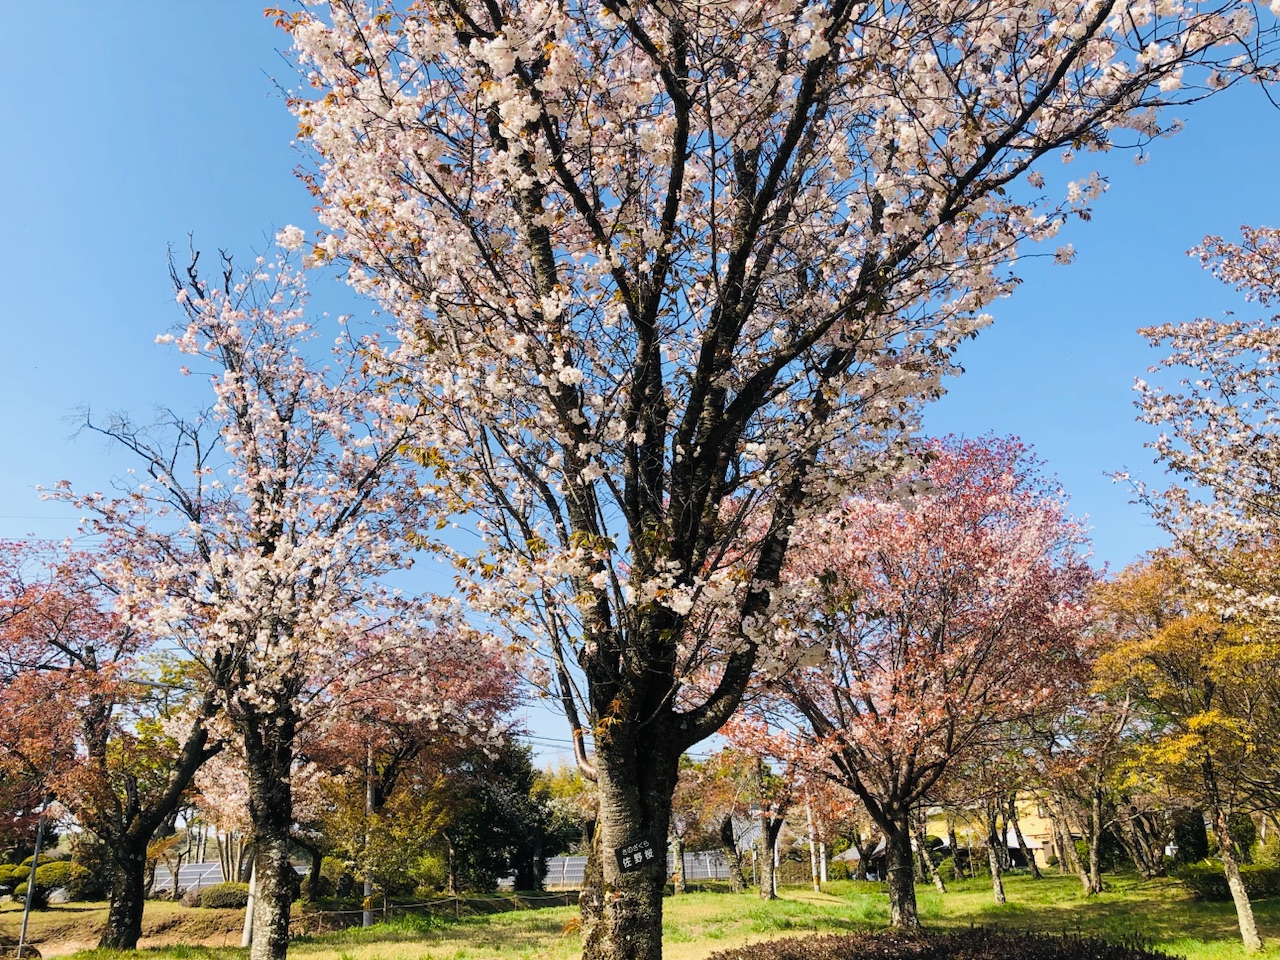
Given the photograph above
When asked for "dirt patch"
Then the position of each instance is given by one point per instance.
(64, 929)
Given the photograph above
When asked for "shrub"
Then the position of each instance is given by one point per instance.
(53, 875)
(1206, 881)
(976, 943)
(84, 884)
(48, 856)
(1190, 836)
(225, 896)
(1243, 833)
(38, 902)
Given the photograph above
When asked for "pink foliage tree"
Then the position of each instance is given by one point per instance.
(927, 625)
(651, 259)
(84, 716)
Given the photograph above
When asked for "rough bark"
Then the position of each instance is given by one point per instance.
(770, 827)
(591, 897)
(1143, 843)
(1231, 867)
(127, 897)
(128, 825)
(635, 780)
(269, 748)
(901, 873)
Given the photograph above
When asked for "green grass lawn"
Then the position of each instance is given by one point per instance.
(700, 923)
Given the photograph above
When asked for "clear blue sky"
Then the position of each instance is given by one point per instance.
(134, 124)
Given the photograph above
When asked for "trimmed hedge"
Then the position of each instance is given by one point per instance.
(1206, 881)
(976, 943)
(54, 875)
(225, 896)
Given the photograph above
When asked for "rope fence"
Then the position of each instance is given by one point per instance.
(323, 921)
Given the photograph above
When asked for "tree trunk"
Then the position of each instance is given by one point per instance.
(1231, 867)
(635, 779)
(1069, 850)
(860, 871)
(1143, 844)
(591, 896)
(677, 865)
(813, 846)
(922, 851)
(994, 843)
(451, 869)
(1012, 817)
(732, 855)
(953, 843)
(127, 897)
(901, 873)
(770, 827)
(1095, 841)
(269, 742)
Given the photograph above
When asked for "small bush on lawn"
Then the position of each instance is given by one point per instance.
(1206, 881)
(977, 943)
(54, 875)
(225, 896)
(38, 902)
(84, 884)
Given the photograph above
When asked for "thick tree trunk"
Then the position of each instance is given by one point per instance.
(591, 896)
(732, 855)
(1231, 867)
(901, 873)
(269, 740)
(635, 782)
(770, 827)
(127, 896)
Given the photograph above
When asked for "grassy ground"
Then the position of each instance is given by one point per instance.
(698, 924)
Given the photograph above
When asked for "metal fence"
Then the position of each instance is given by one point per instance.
(562, 872)
(702, 865)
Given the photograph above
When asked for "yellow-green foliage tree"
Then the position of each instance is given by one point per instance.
(1206, 686)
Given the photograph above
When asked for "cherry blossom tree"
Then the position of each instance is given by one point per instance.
(257, 538)
(664, 267)
(927, 629)
(1218, 426)
(83, 715)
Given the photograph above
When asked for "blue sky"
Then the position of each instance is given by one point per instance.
(132, 125)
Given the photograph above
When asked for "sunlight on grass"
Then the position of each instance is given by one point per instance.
(697, 924)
